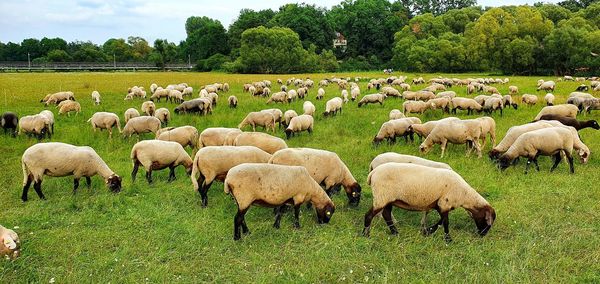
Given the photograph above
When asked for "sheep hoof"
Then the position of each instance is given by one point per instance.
(431, 230)
(447, 238)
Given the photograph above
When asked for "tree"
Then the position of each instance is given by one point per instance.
(247, 19)
(205, 37)
(554, 13)
(117, 48)
(436, 7)
(457, 19)
(308, 21)
(271, 50)
(49, 44)
(567, 46)
(58, 55)
(576, 5)
(31, 46)
(139, 48)
(488, 37)
(164, 52)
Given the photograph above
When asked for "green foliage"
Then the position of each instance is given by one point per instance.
(328, 61)
(213, 63)
(437, 7)
(205, 37)
(272, 50)
(308, 21)
(247, 19)
(58, 55)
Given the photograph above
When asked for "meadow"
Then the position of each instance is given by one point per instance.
(546, 229)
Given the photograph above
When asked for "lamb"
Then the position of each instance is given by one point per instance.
(325, 167)
(140, 125)
(513, 90)
(264, 119)
(571, 121)
(424, 129)
(10, 244)
(566, 110)
(213, 162)
(68, 106)
(218, 136)
(394, 128)
(56, 98)
(420, 188)
(299, 123)
(279, 97)
(549, 98)
(266, 142)
(274, 185)
(276, 113)
(105, 120)
(333, 106)
(320, 94)
(456, 132)
(492, 104)
(287, 116)
(308, 108)
(131, 113)
(396, 114)
(233, 101)
(96, 97)
(59, 160)
(158, 155)
(415, 107)
(467, 104)
(529, 99)
(547, 86)
(195, 105)
(148, 107)
(10, 122)
(184, 135)
(354, 93)
(392, 157)
(37, 124)
(547, 141)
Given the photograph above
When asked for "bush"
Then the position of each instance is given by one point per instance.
(215, 62)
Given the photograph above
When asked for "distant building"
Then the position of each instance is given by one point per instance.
(340, 41)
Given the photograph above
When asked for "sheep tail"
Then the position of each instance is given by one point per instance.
(227, 187)
(195, 169)
(89, 119)
(369, 178)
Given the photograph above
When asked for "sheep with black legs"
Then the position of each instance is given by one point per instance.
(105, 120)
(158, 155)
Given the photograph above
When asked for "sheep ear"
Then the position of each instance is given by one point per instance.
(9, 242)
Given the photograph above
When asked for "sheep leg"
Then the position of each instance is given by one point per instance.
(171, 174)
(149, 175)
(556, 158)
(38, 189)
(424, 223)
(368, 219)
(26, 189)
(204, 192)
(278, 212)
(535, 162)
(443, 146)
(88, 181)
(237, 224)
(527, 165)
(75, 185)
(297, 216)
(389, 219)
(570, 159)
(445, 222)
(135, 170)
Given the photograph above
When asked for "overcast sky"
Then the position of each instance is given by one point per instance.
(99, 20)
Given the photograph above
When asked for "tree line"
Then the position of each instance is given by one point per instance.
(409, 35)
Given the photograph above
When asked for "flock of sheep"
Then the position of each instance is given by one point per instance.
(259, 169)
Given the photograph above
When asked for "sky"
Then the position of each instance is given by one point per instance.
(100, 20)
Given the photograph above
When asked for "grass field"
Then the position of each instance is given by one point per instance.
(546, 229)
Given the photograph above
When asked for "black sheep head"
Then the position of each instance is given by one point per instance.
(594, 124)
(484, 218)
(324, 214)
(353, 192)
(114, 183)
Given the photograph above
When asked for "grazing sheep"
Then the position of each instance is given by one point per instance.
(467, 104)
(105, 120)
(415, 107)
(287, 116)
(213, 163)
(325, 167)
(56, 98)
(512, 134)
(36, 124)
(354, 93)
(159, 94)
(529, 99)
(175, 95)
(232, 100)
(279, 97)
(582, 88)
(274, 185)
(188, 91)
(10, 122)
(50, 116)
(455, 132)
(164, 115)
(421, 188)
(299, 123)
(396, 114)
(191, 106)
(153, 88)
(333, 106)
(568, 121)
(277, 113)
(390, 92)
(59, 160)
(565, 110)
(308, 108)
(10, 244)
(447, 94)
(547, 141)
(424, 129)
(158, 155)
(345, 96)
(488, 126)
(96, 97)
(184, 135)
(392, 157)
(131, 113)
(69, 106)
(508, 101)
(394, 128)
(493, 104)
(320, 94)
(148, 108)
(302, 92)
(292, 95)
(547, 86)
(549, 98)
(481, 99)
(513, 90)
(372, 99)
(140, 125)
(442, 103)
(266, 142)
(264, 119)
(218, 136)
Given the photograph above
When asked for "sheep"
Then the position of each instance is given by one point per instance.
(456, 132)
(68, 106)
(292, 95)
(467, 104)
(56, 98)
(136, 91)
(417, 81)
(188, 91)
(547, 86)
(213, 162)
(513, 90)
(325, 167)
(175, 95)
(448, 94)
(287, 116)
(59, 160)
(279, 97)
(423, 129)
(184, 135)
(232, 100)
(392, 157)
(372, 99)
(390, 92)
(488, 126)
(421, 188)
(225, 87)
(148, 107)
(195, 105)
(37, 124)
(213, 97)
(302, 92)
(415, 107)
(218, 136)
(140, 125)
(565, 110)
(394, 128)
(153, 88)
(105, 120)
(333, 106)
(529, 99)
(345, 96)
(276, 113)
(158, 155)
(582, 88)
(572, 121)
(274, 185)
(264, 119)
(396, 114)
(308, 108)
(508, 101)
(10, 122)
(299, 123)
(10, 244)
(492, 104)
(547, 141)
(590, 104)
(354, 93)
(424, 95)
(442, 103)
(512, 134)
(96, 97)
(549, 98)
(159, 94)
(481, 99)
(266, 142)
(320, 94)
(131, 113)
(492, 90)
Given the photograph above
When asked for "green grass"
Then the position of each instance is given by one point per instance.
(546, 228)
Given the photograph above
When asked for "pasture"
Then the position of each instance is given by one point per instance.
(546, 229)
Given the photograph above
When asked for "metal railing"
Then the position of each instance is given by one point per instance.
(87, 66)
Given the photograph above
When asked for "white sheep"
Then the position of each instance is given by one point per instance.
(188, 91)
(395, 114)
(148, 108)
(37, 124)
(395, 128)
(233, 101)
(218, 136)
(415, 107)
(131, 113)
(421, 188)
(105, 120)
(488, 126)
(175, 95)
(10, 244)
(529, 99)
(59, 160)
(354, 93)
(333, 106)
(277, 113)
(266, 142)
(320, 94)
(392, 157)
(96, 97)
(566, 110)
(158, 155)
(50, 116)
(512, 134)
(372, 99)
(164, 115)
(456, 132)
(140, 125)
(184, 135)
(442, 103)
(279, 97)
(549, 98)
(69, 106)
(467, 104)
(287, 116)
(423, 129)
(264, 119)
(513, 90)
(345, 96)
(493, 104)
(547, 86)
(299, 123)
(308, 108)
